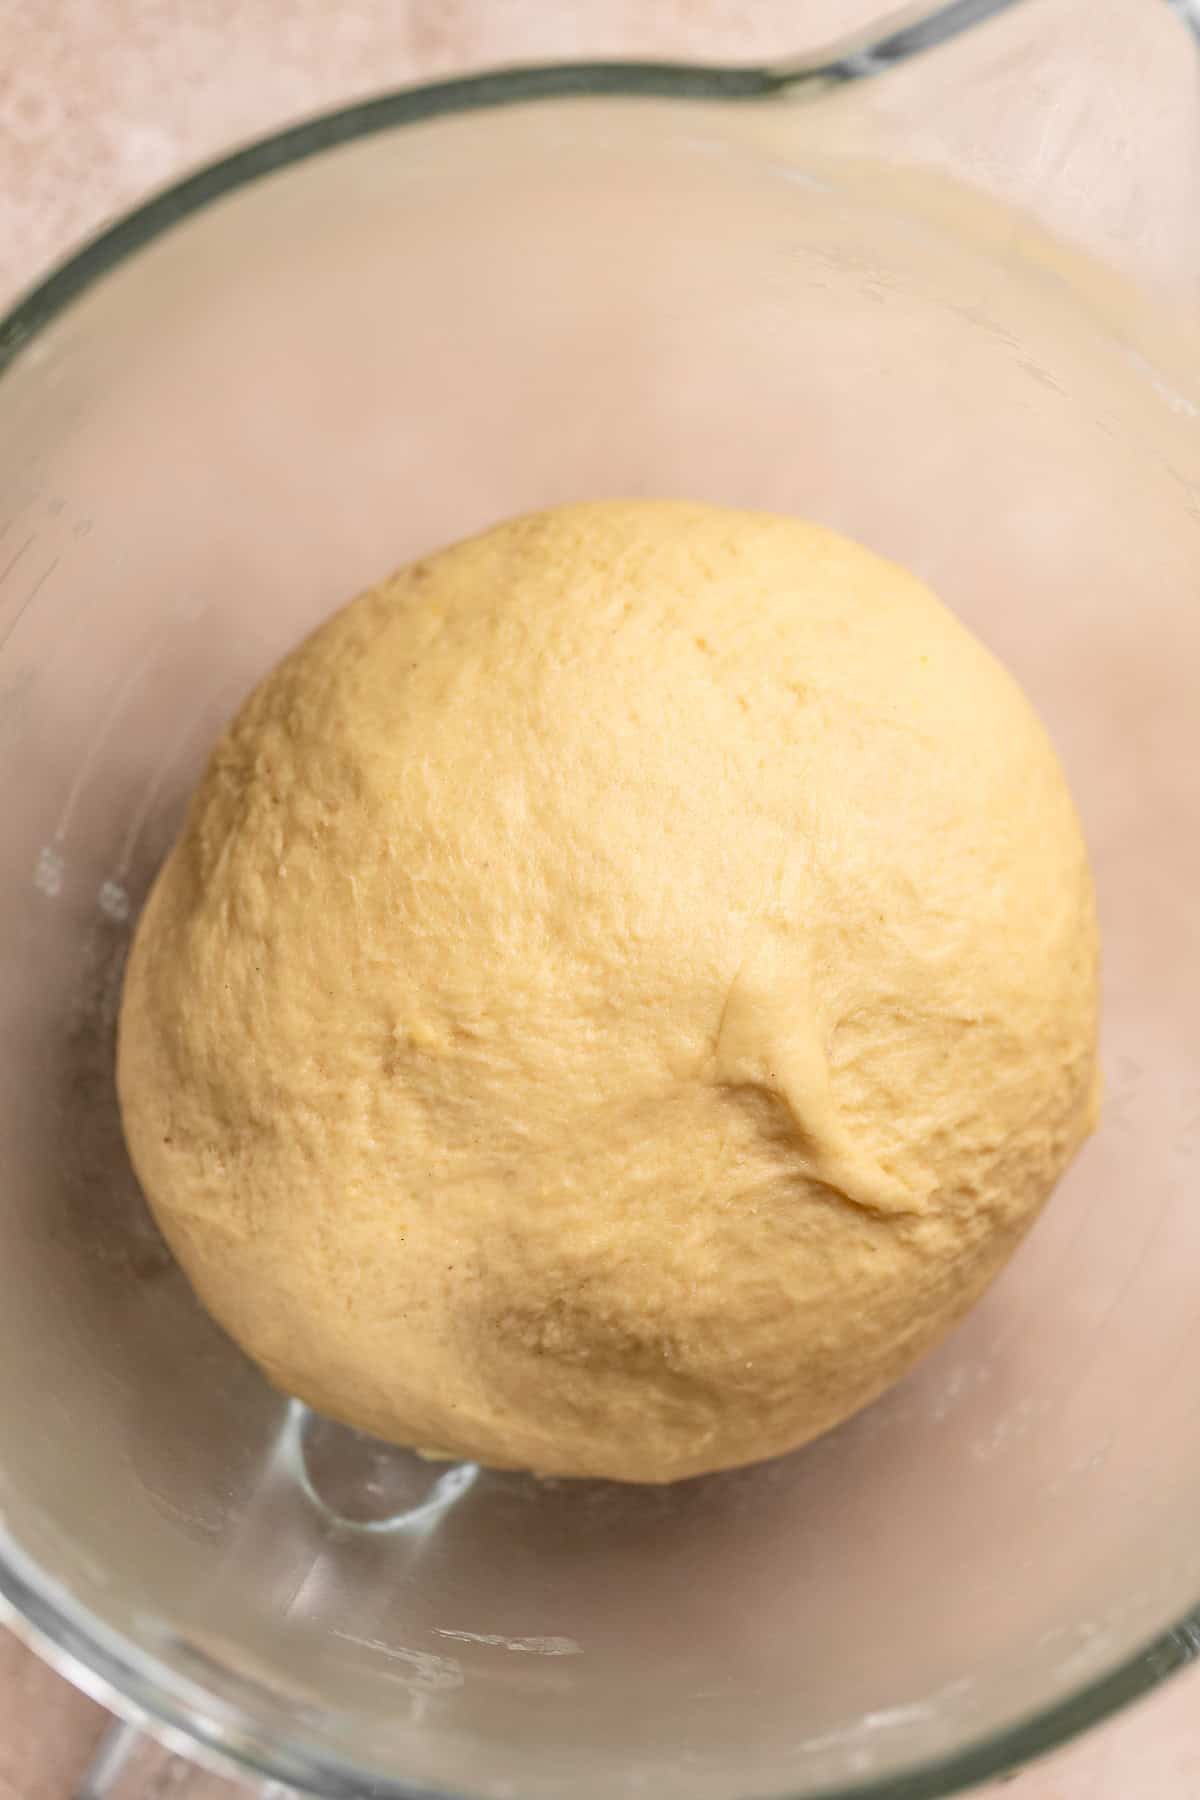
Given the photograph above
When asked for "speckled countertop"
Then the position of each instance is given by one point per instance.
(101, 100)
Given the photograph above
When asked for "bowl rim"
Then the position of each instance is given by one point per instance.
(73, 1640)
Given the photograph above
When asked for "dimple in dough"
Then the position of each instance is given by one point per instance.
(623, 988)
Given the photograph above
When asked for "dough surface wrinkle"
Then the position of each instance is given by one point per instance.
(622, 989)
(771, 1038)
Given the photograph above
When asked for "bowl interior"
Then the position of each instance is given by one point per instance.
(319, 375)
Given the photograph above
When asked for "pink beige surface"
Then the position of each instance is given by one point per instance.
(105, 102)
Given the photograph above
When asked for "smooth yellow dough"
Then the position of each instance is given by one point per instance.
(623, 988)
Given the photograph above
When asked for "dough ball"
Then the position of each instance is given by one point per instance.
(623, 988)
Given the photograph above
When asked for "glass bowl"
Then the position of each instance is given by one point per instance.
(335, 350)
